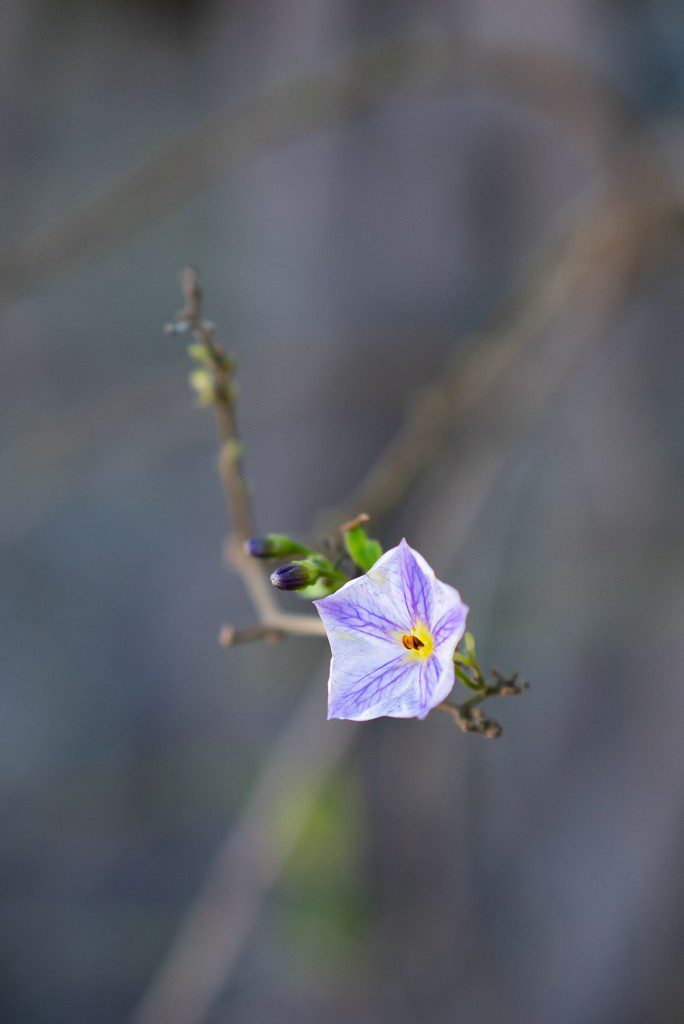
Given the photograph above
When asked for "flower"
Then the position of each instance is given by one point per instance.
(393, 633)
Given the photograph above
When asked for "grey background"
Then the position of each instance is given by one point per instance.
(535, 880)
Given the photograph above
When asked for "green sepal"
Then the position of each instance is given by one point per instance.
(465, 678)
(329, 580)
(470, 673)
(321, 588)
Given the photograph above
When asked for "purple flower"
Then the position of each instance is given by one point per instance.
(393, 633)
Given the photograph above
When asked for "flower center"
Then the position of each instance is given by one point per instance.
(418, 642)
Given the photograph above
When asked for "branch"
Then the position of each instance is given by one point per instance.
(230, 454)
(231, 637)
(273, 624)
(468, 716)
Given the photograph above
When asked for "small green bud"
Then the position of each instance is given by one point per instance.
(202, 383)
(233, 450)
(226, 361)
(199, 353)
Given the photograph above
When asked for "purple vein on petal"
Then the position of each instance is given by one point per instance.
(417, 586)
(368, 688)
(452, 621)
(430, 672)
(354, 615)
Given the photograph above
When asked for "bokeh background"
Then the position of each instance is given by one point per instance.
(439, 877)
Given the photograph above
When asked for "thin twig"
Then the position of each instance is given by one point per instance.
(467, 714)
(231, 637)
(272, 622)
(230, 455)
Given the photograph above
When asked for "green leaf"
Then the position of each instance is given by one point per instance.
(362, 549)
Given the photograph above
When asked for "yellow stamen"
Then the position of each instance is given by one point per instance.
(419, 642)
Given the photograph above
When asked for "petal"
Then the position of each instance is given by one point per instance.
(368, 664)
(395, 688)
(419, 580)
(449, 616)
(435, 684)
(359, 692)
(408, 580)
(360, 609)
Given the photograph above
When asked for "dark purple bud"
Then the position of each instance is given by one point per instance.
(295, 575)
(274, 545)
(258, 547)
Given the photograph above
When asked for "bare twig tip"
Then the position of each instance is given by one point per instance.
(357, 521)
(226, 636)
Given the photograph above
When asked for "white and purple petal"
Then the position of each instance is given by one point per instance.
(449, 616)
(361, 609)
(363, 691)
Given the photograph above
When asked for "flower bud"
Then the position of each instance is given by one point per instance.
(202, 384)
(200, 353)
(295, 575)
(274, 545)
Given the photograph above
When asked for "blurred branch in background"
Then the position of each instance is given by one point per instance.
(589, 269)
(585, 102)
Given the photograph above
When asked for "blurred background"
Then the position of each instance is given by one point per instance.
(346, 258)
